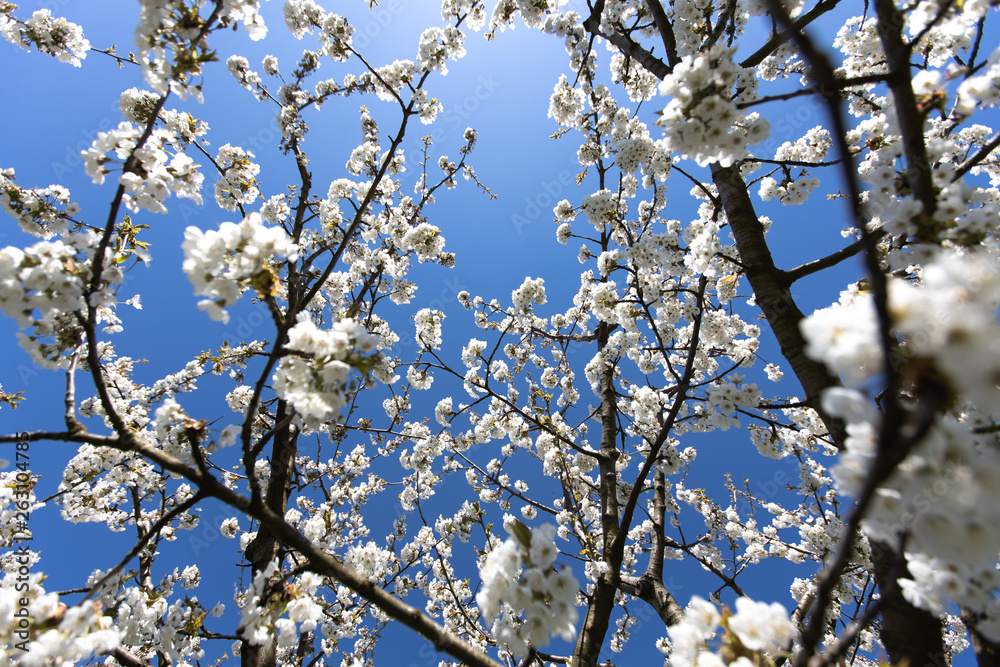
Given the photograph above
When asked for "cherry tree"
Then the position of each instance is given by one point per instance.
(544, 470)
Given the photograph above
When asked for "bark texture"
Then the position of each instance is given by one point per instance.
(264, 548)
(910, 635)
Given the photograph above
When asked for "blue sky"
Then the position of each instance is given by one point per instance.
(502, 88)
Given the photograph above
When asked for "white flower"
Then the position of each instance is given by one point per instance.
(425, 240)
(703, 615)
(428, 324)
(845, 336)
(443, 411)
(221, 264)
(239, 67)
(531, 291)
(230, 527)
(545, 597)
(54, 36)
(315, 381)
(761, 626)
(137, 105)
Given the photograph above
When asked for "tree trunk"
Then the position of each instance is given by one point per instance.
(987, 651)
(264, 548)
(602, 601)
(910, 635)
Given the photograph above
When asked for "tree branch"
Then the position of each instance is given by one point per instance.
(778, 39)
(627, 46)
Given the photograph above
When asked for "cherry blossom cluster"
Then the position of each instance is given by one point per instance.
(302, 16)
(49, 34)
(426, 449)
(520, 580)
(639, 83)
(173, 54)
(602, 208)
(428, 324)
(155, 172)
(841, 336)
(567, 103)
(238, 184)
(533, 13)
(755, 628)
(239, 67)
(790, 190)
(147, 621)
(137, 106)
(474, 12)
(313, 378)
(858, 40)
(222, 264)
(50, 277)
(938, 40)
(530, 292)
(438, 46)
(702, 109)
(37, 628)
(263, 614)
(425, 240)
(41, 212)
(57, 634)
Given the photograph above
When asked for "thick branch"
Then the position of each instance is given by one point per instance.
(598, 617)
(910, 118)
(780, 38)
(771, 289)
(910, 635)
(628, 47)
(649, 587)
(987, 651)
(126, 659)
(653, 592)
(666, 30)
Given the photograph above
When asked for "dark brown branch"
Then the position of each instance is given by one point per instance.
(771, 287)
(909, 634)
(264, 547)
(983, 153)
(649, 587)
(782, 37)
(126, 659)
(666, 30)
(153, 531)
(830, 260)
(838, 86)
(890, 23)
(627, 46)
(725, 18)
(653, 592)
